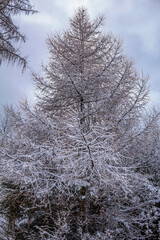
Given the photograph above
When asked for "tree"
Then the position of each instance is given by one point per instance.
(9, 32)
(88, 72)
(79, 153)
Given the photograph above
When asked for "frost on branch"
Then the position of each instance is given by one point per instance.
(9, 31)
(74, 166)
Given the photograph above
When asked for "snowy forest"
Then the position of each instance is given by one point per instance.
(83, 162)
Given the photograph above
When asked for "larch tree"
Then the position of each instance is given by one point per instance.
(79, 154)
(9, 32)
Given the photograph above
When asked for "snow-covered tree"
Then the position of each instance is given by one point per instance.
(9, 32)
(74, 165)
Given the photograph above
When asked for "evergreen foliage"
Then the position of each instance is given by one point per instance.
(9, 32)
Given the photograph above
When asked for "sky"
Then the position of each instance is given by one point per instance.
(135, 22)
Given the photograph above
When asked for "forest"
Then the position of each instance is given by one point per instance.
(83, 162)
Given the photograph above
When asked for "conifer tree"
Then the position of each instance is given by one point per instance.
(79, 154)
(9, 32)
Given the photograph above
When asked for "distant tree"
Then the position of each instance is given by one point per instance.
(79, 154)
(9, 32)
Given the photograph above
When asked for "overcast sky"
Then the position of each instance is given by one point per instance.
(136, 22)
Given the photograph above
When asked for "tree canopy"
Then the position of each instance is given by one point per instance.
(9, 32)
(83, 162)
